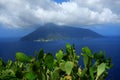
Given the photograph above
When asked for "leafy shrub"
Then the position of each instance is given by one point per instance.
(65, 66)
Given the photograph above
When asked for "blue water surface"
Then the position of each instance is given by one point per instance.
(110, 45)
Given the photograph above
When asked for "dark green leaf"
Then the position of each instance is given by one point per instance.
(49, 61)
(30, 76)
(41, 55)
(91, 70)
(68, 48)
(22, 57)
(85, 60)
(59, 55)
(87, 51)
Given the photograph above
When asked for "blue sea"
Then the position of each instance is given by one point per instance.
(110, 45)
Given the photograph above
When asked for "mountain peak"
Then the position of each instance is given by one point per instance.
(50, 24)
(52, 31)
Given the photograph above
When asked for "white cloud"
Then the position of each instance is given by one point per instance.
(26, 13)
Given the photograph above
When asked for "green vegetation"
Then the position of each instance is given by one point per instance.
(65, 66)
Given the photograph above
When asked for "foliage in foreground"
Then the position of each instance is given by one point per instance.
(63, 67)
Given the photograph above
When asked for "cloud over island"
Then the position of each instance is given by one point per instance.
(26, 13)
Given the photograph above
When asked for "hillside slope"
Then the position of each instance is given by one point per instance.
(56, 32)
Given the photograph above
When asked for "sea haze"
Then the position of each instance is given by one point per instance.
(110, 45)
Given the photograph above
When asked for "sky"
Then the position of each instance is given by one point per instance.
(20, 17)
